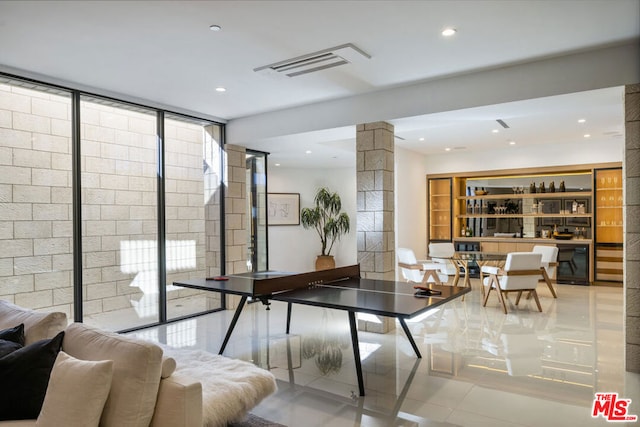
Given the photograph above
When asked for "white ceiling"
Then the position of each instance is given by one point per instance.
(163, 51)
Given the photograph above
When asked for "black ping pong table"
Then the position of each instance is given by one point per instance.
(340, 289)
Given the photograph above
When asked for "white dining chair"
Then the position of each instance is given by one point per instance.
(442, 253)
(419, 272)
(549, 263)
(520, 273)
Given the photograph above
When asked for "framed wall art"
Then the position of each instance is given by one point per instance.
(283, 208)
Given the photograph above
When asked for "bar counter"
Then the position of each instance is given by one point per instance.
(577, 254)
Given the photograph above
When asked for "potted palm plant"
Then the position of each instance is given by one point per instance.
(330, 224)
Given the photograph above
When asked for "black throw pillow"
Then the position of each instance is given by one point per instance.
(24, 377)
(11, 339)
(7, 347)
(15, 334)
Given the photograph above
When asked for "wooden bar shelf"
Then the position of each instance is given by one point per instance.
(559, 195)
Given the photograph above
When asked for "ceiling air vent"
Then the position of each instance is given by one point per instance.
(316, 61)
(502, 123)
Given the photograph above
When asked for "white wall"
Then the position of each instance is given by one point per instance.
(293, 248)
(411, 201)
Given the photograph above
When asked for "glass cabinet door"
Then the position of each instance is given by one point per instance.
(439, 209)
(608, 200)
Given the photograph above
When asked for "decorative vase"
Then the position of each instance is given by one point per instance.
(325, 262)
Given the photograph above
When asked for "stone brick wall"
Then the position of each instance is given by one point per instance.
(375, 200)
(119, 209)
(236, 209)
(192, 209)
(375, 205)
(36, 265)
(632, 226)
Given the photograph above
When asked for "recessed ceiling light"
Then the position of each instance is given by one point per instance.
(221, 89)
(512, 143)
(215, 27)
(448, 32)
(586, 135)
(277, 164)
(420, 139)
(495, 131)
(447, 149)
(582, 120)
(308, 152)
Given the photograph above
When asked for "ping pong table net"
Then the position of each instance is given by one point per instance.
(291, 282)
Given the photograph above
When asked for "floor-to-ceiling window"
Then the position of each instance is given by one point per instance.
(36, 262)
(193, 182)
(150, 208)
(256, 179)
(119, 158)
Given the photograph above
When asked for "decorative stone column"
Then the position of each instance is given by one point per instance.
(375, 205)
(235, 203)
(631, 167)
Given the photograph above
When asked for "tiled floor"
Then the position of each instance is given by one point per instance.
(479, 366)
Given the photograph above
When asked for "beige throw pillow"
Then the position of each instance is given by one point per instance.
(137, 366)
(77, 392)
(37, 325)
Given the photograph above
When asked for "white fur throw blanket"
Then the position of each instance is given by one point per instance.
(230, 387)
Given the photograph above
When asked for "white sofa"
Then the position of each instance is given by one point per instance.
(146, 389)
(143, 390)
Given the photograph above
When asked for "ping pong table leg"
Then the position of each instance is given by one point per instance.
(236, 315)
(356, 350)
(409, 337)
(288, 317)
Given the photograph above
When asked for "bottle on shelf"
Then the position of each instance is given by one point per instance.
(574, 207)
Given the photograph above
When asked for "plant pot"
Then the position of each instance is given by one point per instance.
(325, 262)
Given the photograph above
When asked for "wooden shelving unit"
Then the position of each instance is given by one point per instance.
(440, 197)
(526, 196)
(599, 228)
(529, 215)
(555, 195)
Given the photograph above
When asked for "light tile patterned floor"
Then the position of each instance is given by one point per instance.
(479, 366)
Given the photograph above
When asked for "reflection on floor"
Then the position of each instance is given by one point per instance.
(144, 311)
(479, 367)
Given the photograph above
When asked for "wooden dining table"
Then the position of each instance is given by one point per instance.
(462, 259)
